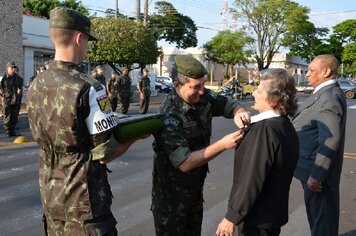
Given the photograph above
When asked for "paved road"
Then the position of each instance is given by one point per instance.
(20, 207)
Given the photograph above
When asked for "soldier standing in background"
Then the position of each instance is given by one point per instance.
(144, 89)
(112, 91)
(99, 76)
(20, 90)
(11, 91)
(124, 89)
(73, 129)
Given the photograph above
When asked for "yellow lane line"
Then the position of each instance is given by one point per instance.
(350, 157)
(349, 154)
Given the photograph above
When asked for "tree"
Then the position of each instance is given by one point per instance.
(122, 41)
(304, 40)
(270, 20)
(170, 25)
(43, 7)
(229, 48)
(346, 31)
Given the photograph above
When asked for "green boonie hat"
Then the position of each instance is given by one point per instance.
(10, 64)
(189, 66)
(66, 18)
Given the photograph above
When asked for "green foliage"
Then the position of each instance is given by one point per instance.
(346, 31)
(270, 20)
(170, 25)
(122, 41)
(304, 40)
(349, 53)
(43, 7)
(349, 69)
(229, 48)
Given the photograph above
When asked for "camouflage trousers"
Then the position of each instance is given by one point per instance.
(144, 103)
(99, 227)
(177, 214)
(10, 116)
(124, 103)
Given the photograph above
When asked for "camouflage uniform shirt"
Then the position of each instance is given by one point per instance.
(144, 84)
(124, 84)
(71, 119)
(9, 87)
(187, 129)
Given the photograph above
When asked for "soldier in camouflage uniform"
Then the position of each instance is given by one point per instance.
(71, 120)
(99, 76)
(11, 91)
(124, 89)
(183, 149)
(144, 89)
(112, 91)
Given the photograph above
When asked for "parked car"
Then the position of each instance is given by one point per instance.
(161, 86)
(304, 87)
(166, 79)
(348, 87)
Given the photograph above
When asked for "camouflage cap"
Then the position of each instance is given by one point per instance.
(189, 66)
(10, 64)
(66, 18)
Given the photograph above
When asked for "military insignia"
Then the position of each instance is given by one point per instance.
(213, 94)
(104, 104)
(171, 121)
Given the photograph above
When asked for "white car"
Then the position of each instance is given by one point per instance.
(166, 79)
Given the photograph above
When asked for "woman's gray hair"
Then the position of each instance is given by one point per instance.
(281, 90)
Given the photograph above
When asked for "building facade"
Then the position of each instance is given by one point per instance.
(11, 34)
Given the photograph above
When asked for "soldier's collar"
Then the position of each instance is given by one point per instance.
(64, 65)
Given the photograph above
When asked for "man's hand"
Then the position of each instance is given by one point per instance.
(225, 228)
(142, 96)
(232, 140)
(242, 118)
(314, 185)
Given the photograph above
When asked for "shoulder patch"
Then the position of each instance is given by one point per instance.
(171, 121)
(213, 94)
(104, 103)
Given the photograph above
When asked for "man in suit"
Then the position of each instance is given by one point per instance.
(320, 124)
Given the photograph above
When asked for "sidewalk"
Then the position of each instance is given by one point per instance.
(24, 129)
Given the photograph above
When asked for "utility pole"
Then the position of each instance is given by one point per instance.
(224, 13)
(137, 9)
(116, 7)
(145, 12)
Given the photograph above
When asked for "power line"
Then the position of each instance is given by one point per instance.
(332, 13)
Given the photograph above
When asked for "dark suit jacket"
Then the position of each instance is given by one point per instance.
(264, 165)
(320, 124)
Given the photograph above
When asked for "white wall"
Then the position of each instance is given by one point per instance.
(35, 34)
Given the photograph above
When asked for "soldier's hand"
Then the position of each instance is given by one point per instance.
(242, 118)
(314, 185)
(225, 228)
(232, 140)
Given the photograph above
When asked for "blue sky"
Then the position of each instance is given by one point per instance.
(207, 13)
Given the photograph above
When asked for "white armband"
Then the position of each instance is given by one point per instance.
(101, 118)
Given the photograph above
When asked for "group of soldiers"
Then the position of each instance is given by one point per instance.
(119, 89)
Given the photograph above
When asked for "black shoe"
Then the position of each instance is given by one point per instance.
(12, 134)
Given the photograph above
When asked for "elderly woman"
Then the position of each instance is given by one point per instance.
(264, 161)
